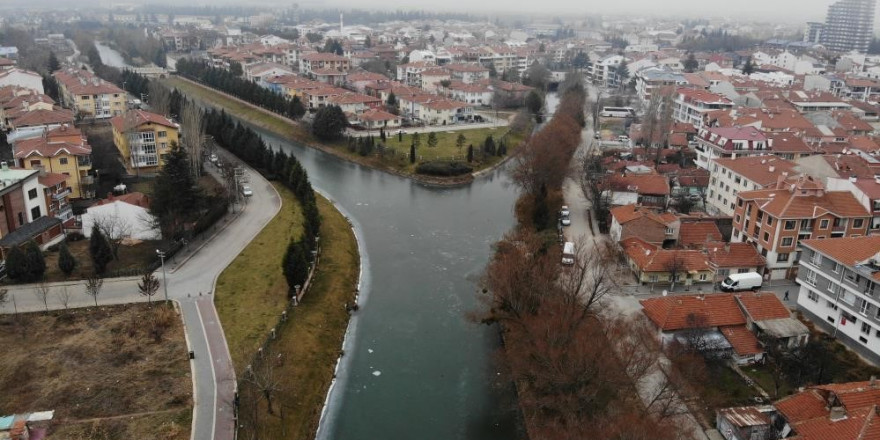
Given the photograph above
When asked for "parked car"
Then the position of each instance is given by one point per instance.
(214, 158)
(568, 253)
(736, 282)
(246, 191)
(564, 211)
(566, 221)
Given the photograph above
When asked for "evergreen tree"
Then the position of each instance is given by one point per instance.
(176, 196)
(432, 139)
(17, 264)
(412, 153)
(66, 262)
(534, 102)
(35, 260)
(459, 142)
(382, 134)
(748, 67)
(53, 65)
(330, 123)
(99, 250)
(392, 100)
(470, 154)
(489, 146)
(295, 265)
(417, 139)
(690, 63)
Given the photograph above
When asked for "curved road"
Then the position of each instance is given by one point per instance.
(191, 277)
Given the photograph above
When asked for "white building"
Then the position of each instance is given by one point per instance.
(22, 78)
(730, 176)
(128, 214)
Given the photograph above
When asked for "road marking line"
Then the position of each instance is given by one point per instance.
(213, 373)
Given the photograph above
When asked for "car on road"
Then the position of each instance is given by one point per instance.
(564, 211)
(566, 221)
(246, 191)
(695, 197)
(214, 158)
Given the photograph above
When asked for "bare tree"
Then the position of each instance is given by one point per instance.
(94, 283)
(590, 278)
(192, 133)
(42, 293)
(265, 381)
(64, 297)
(115, 229)
(674, 266)
(160, 98)
(148, 286)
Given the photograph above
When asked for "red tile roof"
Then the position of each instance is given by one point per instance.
(697, 233)
(652, 184)
(784, 204)
(743, 341)
(848, 251)
(714, 310)
(650, 258)
(627, 213)
(730, 255)
(134, 198)
(140, 117)
(762, 306)
(42, 147)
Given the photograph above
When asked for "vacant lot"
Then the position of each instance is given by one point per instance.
(447, 147)
(109, 373)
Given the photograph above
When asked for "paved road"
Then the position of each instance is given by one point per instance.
(191, 277)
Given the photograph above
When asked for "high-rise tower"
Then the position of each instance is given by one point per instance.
(849, 25)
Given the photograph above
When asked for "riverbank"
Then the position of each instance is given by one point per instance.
(252, 293)
(290, 129)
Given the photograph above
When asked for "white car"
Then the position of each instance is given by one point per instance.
(564, 211)
(566, 221)
(214, 158)
(246, 191)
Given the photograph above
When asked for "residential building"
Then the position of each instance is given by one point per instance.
(689, 105)
(22, 78)
(644, 223)
(313, 61)
(467, 73)
(89, 95)
(474, 94)
(642, 189)
(23, 209)
(375, 119)
(652, 264)
(866, 190)
(142, 139)
(603, 72)
(727, 258)
(840, 290)
(729, 142)
(57, 195)
(849, 26)
(131, 210)
(813, 32)
(728, 323)
(729, 176)
(776, 219)
(54, 152)
(651, 80)
(36, 122)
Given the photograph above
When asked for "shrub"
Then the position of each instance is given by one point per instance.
(66, 262)
(443, 168)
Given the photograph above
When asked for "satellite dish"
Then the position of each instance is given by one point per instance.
(665, 292)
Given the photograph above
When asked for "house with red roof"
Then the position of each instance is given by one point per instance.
(143, 139)
(643, 189)
(844, 411)
(652, 264)
(729, 142)
(643, 222)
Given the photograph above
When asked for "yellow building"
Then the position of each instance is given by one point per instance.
(142, 139)
(89, 95)
(60, 152)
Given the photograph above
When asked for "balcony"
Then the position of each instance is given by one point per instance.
(61, 194)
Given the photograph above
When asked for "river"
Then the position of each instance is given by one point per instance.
(111, 57)
(415, 366)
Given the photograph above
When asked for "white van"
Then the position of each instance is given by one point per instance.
(568, 253)
(742, 281)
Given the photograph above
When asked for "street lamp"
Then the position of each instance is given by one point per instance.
(164, 279)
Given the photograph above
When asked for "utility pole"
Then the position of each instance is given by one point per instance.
(164, 279)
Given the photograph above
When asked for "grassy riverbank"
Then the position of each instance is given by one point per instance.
(396, 163)
(251, 293)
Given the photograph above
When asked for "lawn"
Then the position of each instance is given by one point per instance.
(103, 370)
(398, 163)
(252, 291)
(308, 344)
(130, 258)
(763, 377)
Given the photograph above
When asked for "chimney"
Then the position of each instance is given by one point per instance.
(837, 413)
(853, 179)
(772, 168)
(4, 166)
(873, 381)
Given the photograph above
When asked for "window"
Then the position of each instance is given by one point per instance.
(813, 296)
(163, 134)
(811, 277)
(32, 194)
(735, 233)
(62, 161)
(863, 309)
(36, 164)
(831, 304)
(738, 218)
(35, 212)
(816, 258)
(20, 219)
(823, 224)
(742, 271)
(807, 224)
(866, 329)
(739, 203)
(836, 267)
(670, 231)
(769, 221)
(766, 237)
(702, 277)
(787, 241)
(832, 286)
(782, 257)
(652, 278)
(789, 225)
(852, 277)
(858, 223)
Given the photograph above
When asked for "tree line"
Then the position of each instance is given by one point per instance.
(241, 88)
(248, 146)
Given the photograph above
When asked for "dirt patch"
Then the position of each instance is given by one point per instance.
(130, 258)
(93, 364)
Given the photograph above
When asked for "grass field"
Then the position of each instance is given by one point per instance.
(103, 371)
(446, 148)
(130, 257)
(252, 291)
(308, 344)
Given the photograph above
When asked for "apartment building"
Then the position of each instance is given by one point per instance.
(849, 26)
(142, 139)
(89, 95)
(776, 219)
(313, 61)
(62, 151)
(20, 199)
(467, 73)
(651, 80)
(57, 195)
(866, 190)
(840, 290)
(729, 176)
(729, 142)
(689, 105)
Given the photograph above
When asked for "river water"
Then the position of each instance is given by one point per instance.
(111, 57)
(415, 366)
